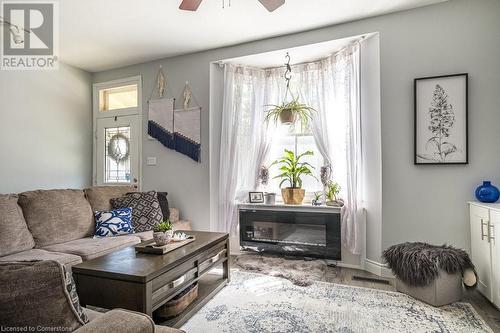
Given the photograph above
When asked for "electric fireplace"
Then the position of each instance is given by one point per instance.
(295, 230)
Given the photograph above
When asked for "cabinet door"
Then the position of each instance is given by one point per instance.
(495, 255)
(480, 248)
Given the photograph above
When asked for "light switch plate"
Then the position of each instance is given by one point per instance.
(151, 160)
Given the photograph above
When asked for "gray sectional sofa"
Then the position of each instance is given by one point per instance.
(58, 226)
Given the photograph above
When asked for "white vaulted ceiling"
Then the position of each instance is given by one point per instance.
(102, 34)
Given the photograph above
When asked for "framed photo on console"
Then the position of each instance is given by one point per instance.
(256, 197)
(441, 130)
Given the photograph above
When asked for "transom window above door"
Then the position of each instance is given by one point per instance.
(117, 98)
(121, 97)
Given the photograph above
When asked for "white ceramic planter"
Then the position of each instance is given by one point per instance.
(163, 238)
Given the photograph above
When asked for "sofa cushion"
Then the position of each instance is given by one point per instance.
(38, 294)
(65, 259)
(146, 211)
(14, 233)
(56, 216)
(100, 196)
(145, 235)
(113, 223)
(90, 248)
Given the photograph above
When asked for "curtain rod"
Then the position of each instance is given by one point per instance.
(221, 63)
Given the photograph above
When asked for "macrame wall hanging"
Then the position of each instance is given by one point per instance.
(179, 129)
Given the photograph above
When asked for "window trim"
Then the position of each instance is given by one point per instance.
(132, 80)
(134, 111)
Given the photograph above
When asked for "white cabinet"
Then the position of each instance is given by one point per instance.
(485, 254)
(495, 255)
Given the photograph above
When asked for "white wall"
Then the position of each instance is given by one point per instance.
(419, 202)
(45, 129)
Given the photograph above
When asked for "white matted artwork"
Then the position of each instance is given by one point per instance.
(441, 119)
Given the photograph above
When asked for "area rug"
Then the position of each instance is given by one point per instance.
(301, 272)
(257, 303)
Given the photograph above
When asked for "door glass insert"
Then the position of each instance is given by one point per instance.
(117, 155)
(122, 97)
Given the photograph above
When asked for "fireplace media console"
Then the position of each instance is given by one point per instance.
(301, 230)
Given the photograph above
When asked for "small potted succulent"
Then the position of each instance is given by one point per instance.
(332, 192)
(163, 233)
(316, 201)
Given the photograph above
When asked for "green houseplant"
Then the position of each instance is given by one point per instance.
(292, 169)
(332, 194)
(288, 112)
(163, 233)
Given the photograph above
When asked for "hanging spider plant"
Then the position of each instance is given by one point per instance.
(288, 112)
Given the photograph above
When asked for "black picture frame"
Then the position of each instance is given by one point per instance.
(256, 197)
(440, 154)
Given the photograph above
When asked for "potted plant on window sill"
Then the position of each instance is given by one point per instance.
(332, 192)
(163, 233)
(291, 171)
(288, 112)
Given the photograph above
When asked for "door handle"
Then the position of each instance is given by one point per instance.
(482, 230)
(491, 231)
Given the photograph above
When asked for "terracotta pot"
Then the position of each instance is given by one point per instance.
(163, 238)
(293, 196)
(287, 116)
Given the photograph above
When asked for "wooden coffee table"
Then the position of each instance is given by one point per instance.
(144, 282)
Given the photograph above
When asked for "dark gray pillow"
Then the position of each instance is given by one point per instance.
(162, 198)
(39, 294)
(146, 211)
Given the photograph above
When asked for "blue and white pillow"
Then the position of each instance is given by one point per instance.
(113, 223)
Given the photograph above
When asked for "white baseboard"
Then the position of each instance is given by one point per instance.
(378, 268)
(346, 265)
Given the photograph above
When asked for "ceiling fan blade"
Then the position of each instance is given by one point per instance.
(191, 5)
(272, 5)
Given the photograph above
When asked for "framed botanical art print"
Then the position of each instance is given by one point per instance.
(441, 119)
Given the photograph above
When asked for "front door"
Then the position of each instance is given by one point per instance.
(117, 151)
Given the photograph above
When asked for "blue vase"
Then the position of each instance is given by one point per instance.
(487, 192)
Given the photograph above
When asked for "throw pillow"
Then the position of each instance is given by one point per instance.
(146, 211)
(162, 198)
(113, 223)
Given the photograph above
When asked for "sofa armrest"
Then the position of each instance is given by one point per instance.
(119, 320)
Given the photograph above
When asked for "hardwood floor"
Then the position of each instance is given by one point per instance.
(359, 278)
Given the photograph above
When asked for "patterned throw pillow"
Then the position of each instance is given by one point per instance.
(146, 211)
(73, 296)
(113, 223)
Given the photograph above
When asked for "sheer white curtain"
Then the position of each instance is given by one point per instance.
(346, 76)
(331, 86)
(245, 139)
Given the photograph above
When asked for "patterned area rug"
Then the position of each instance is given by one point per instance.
(258, 303)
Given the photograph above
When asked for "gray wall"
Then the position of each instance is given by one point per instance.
(419, 202)
(45, 129)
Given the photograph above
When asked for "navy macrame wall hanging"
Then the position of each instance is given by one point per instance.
(179, 129)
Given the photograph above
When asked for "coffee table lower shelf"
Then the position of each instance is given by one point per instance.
(208, 286)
